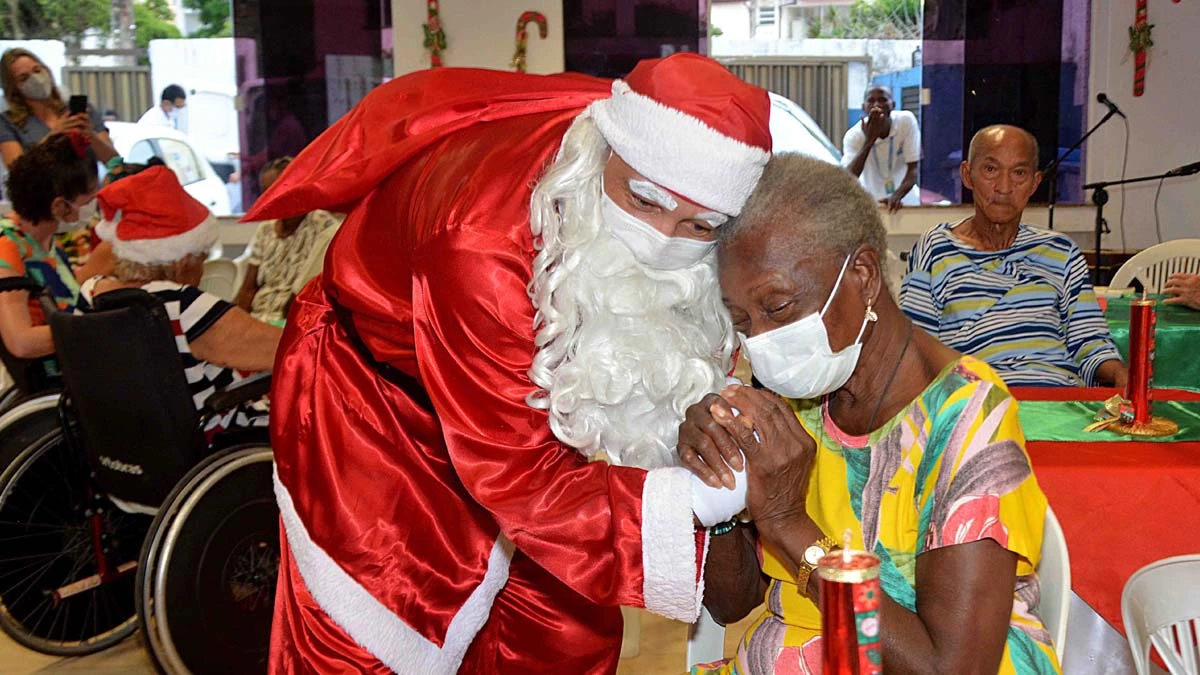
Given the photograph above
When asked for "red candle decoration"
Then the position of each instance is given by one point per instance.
(1139, 42)
(1142, 320)
(850, 598)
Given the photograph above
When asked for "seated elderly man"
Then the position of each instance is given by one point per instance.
(1016, 296)
(160, 241)
(954, 512)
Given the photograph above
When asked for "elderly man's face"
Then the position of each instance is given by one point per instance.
(666, 212)
(768, 282)
(1003, 175)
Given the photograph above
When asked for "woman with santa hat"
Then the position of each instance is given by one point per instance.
(160, 237)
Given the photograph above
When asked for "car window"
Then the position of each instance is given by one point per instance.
(141, 152)
(791, 133)
(180, 158)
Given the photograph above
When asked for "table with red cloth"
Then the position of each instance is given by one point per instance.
(1123, 504)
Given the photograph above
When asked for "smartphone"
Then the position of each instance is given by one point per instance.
(77, 104)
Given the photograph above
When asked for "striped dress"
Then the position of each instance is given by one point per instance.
(192, 312)
(1028, 311)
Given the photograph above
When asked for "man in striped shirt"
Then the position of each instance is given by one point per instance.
(1016, 296)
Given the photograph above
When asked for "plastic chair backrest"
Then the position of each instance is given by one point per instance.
(220, 278)
(316, 259)
(1054, 574)
(1161, 607)
(1153, 266)
(124, 377)
(706, 637)
(895, 273)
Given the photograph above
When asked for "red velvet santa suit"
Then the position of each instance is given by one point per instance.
(431, 519)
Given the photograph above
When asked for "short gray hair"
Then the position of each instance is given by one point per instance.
(825, 206)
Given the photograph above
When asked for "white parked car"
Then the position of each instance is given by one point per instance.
(793, 130)
(137, 143)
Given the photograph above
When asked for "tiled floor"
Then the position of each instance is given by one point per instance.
(661, 653)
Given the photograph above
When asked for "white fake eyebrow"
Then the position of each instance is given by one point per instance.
(713, 218)
(653, 193)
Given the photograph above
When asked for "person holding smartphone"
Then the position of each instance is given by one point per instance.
(36, 109)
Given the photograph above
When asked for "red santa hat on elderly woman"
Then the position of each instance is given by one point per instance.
(150, 219)
(691, 126)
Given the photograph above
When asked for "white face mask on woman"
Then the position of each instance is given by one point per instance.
(38, 87)
(86, 212)
(797, 360)
(651, 247)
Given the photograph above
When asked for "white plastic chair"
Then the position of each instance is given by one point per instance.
(220, 278)
(895, 273)
(1054, 574)
(706, 638)
(1156, 264)
(1161, 606)
(316, 258)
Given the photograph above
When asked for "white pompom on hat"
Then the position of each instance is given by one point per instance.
(151, 219)
(691, 126)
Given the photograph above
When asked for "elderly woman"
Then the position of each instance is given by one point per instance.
(910, 448)
(36, 109)
(160, 241)
(53, 189)
(1011, 294)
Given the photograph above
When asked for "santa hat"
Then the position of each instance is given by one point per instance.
(150, 219)
(688, 124)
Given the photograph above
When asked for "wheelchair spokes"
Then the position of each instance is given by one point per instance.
(67, 556)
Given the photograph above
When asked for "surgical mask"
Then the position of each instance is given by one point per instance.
(38, 87)
(651, 247)
(797, 361)
(86, 213)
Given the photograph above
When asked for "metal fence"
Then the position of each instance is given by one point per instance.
(123, 89)
(818, 85)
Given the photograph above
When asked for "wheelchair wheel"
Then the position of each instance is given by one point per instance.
(67, 555)
(206, 579)
(24, 423)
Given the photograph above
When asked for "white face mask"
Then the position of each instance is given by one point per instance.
(86, 212)
(38, 87)
(797, 361)
(651, 247)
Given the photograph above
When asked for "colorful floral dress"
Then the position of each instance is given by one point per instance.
(949, 469)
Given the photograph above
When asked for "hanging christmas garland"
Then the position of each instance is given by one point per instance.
(1139, 42)
(435, 37)
(518, 61)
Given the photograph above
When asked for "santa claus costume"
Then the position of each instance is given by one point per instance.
(477, 330)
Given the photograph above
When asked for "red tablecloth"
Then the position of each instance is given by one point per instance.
(1122, 505)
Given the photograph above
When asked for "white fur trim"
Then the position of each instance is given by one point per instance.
(199, 239)
(679, 151)
(372, 625)
(669, 569)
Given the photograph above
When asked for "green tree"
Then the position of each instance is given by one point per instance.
(214, 17)
(155, 21)
(895, 19)
(65, 20)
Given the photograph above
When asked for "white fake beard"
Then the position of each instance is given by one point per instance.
(623, 350)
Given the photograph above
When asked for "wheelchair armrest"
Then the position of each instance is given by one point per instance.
(250, 389)
(35, 290)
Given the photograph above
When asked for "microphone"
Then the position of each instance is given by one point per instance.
(1185, 170)
(1112, 107)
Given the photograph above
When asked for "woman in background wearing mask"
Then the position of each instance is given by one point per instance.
(53, 189)
(886, 436)
(36, 109)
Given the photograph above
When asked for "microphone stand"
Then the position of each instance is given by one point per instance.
(1100, 198)
(1051, 170)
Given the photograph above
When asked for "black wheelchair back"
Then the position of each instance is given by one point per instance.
(124, 515)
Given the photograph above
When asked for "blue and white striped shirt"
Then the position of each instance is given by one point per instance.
(1028, 311)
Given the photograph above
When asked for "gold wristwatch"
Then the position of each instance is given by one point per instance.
(811, 557)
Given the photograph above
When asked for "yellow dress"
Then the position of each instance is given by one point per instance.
(949, 469)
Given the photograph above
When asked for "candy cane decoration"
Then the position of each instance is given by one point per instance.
(518, 61)
(1139, 42)
(435, 37)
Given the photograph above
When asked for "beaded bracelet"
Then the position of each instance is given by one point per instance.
(723, 528)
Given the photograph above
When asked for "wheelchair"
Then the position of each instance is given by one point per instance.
(123, 515)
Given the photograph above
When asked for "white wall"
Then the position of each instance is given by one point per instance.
(1163, 122)
(733, 18)
(479, 34)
